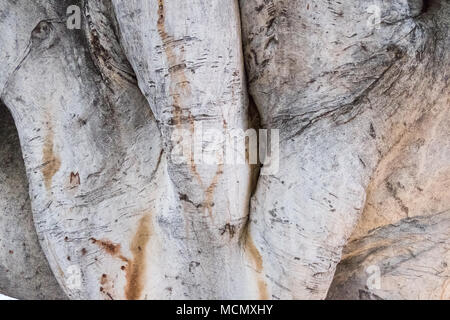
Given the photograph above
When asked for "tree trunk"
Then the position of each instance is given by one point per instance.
(24, 271)
(131, 129)
(344, 94)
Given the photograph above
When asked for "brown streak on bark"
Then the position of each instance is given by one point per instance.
(51, 161)
(135, 270)
(137, 266)
(179, 83)
(256, 258)
(176, 74)
(111, 248)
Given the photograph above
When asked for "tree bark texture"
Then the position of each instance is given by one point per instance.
(102, 113)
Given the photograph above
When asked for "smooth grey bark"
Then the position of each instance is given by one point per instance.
(189, 65)
(411, 259)
(24, 270)
(92, 155)
(401, 240)
(413, 179)
(343, 94)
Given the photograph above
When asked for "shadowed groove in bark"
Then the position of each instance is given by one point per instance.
(255, 123)
(428, 4)
(100, 31)
(245, 238)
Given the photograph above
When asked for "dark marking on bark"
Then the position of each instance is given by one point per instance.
(427, 5)
(106, 286)
(82, 122)
(75, 179)
(42, 30)
(372, 131)
(99, 51)
(231, 229)
(259, 8)
(185, 198)
(362, 162)
(366, 295)
(393, 191)
(193, 265)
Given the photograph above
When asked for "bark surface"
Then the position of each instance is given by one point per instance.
(24, 270)
(405, 260)
(125, 123)
(344, 94)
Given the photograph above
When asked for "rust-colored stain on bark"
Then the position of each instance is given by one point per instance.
(179, 88)
(135, 269)
(176, 74)
(179, 83)
(257, 262)
(111, 248)
(209, 193)
(106, 286)
(104, 279)
(51, 162)
(136, 266)
(161, 17)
